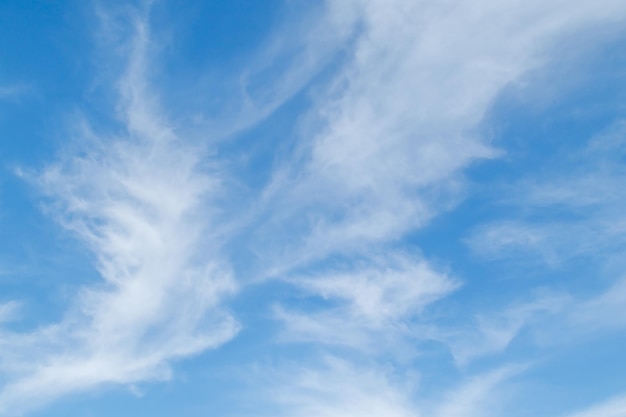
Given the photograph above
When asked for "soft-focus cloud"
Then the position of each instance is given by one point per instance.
(491, 333)
(546, 320)
(383, 149)
(615, 407)
(370, 306)
(398, 92)
(138, 200)
(481, 395)
(382, 152)
(337, 387)
(10, 92)
(581, 195)
(9, 311)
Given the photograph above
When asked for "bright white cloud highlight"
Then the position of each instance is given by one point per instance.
(370, 306)
(138, 200)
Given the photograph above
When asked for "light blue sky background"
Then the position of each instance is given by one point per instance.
(373, 208)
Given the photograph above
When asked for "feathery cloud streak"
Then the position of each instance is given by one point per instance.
(383, 148)
(612, 408)
(393, 122)
(138, 201)
(382, 152)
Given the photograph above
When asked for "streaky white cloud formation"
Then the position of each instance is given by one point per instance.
(615, 407)
(549, 319)
(339, 387)
(587, 185)
(14, 91)
(491, 333)
(370, 306)
(137, 199)
(401, 88)
(603, 312)
(478, 396)
(382, 150)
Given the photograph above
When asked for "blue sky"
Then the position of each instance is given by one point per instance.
(373, 208)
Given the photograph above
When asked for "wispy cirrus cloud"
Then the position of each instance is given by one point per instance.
(372, 306)
(382, 149)
(614, 407)
(567, 211)
(581, 195)
(339, 387)
(546, 320)
(9, 311)
(383, 152)
(138, 200)
(14, 91)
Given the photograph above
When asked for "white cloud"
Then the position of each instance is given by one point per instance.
(379, 154)
(572, 211)
(14, 91)
(140, 201)
(338, 387)
(371, 306)
(615, 407)
(479, 396)
(383, 148)
(491, 333)
(580, 195)
(549, 319)
(384, 289)
(9, 311)
(605, 311)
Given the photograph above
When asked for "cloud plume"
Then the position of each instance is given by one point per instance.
(139, 199)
